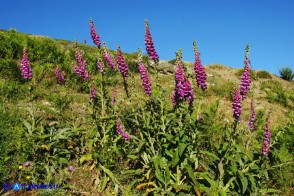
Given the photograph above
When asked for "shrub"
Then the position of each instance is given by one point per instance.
(286, 73)
(263, 74)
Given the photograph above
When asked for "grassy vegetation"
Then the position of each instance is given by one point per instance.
(170, 151)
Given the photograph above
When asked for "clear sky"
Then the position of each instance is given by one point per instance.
(222, 28)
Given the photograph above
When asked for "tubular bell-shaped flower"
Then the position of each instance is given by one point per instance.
(199, 69)
(26, 70)
(236, 105)
(122, 66)
(149, 44)
(94, 34)
(144, 75)
(183, 88)
(120, 130)
(107, 57)
(245, 78)
(266, 138)
(252, 116)
(59, 76)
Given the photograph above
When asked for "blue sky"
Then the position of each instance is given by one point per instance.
(222, 28)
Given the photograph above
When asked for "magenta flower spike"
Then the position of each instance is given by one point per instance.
(266, 138)
(94, 34)
(80, 69)
(26, 70)
(107, 57)
(144, 75)
(199, 69)
(183, 88)
(252, 116)
(236, 105)
(121, 132)
(245, 78)
(149, 44)
(59, 76)
(122, 66)
(100, 65)
(93, 92)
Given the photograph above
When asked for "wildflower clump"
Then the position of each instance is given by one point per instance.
(149, 44)
(59, 76)
(107, 57)
(26, 70)
(94, 34)
(266, 138)
(144, 75)
(122, 66)
(236, 105)
(199, 69)
(183, 88)
(245, 78)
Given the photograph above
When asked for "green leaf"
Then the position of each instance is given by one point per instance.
(210, 154)
(134, 157)
(269, 191)
(191, 173)
(244, 181)
(175, 159)
(86, 157)
(182, 147)
(63, 160)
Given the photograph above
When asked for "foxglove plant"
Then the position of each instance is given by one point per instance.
(59, 76)
(144, 75)
(107, 57)
(200, 118)
(199, 69)
(266, 138)
(94, 34)
(183, 88)
(236, 105)
(122, 66)
(121, 132)
(245, 78)
(100, 65)
(80, 69)
(26, 70)
(93, 92)
(149, 44)
(252, 116)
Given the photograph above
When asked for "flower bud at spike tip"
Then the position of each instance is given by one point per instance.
(236, 105)
(26, 70)
(27, 164)
(245, 78)
(200, 118)
(59, 76)
(266, 138)
(149, 44)
(94, 34)
(199, 70)
(122, 66)
(144, 75)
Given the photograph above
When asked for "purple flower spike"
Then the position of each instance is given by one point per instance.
(149, 44)
(107, 57)
(70, 168)
(252, 117)
(183, 88)
(27, 164)
(81, 68)
(100, 65)
(245, 78)
(26, 70)
(120, 131)
(59, 76)
(94, 34)
(236, 106)
(144, 75)
(266, 138)
(199, 70)
(93, 92)
(122, 66)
